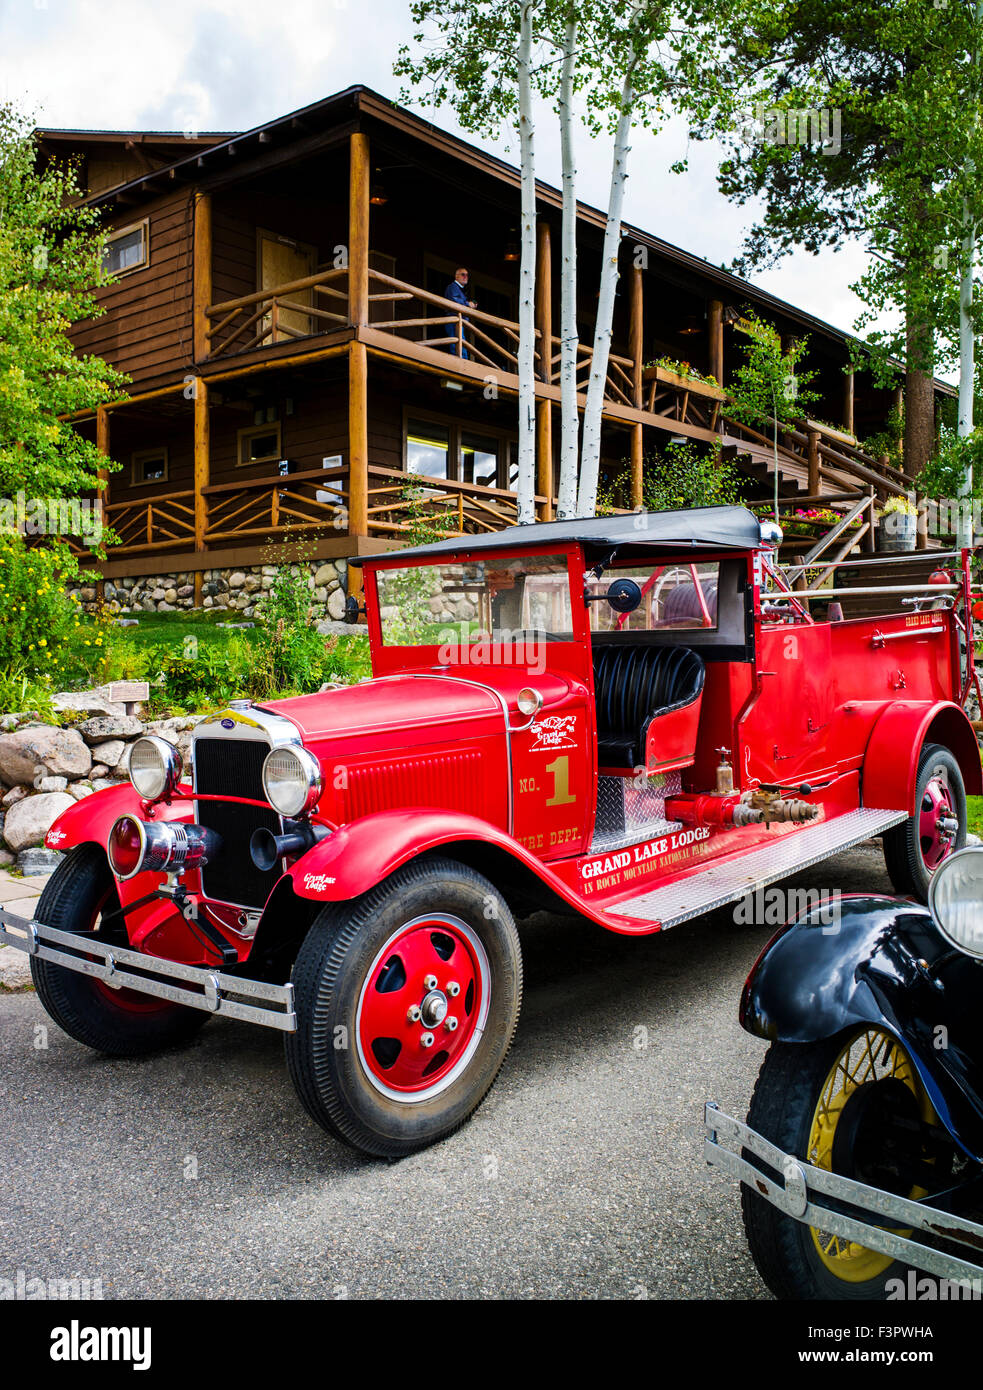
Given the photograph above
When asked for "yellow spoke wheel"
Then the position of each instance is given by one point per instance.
(871, 1082)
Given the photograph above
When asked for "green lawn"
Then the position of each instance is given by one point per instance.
(975, 806)
(170, 629)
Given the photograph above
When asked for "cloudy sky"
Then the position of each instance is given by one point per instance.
(232, 64)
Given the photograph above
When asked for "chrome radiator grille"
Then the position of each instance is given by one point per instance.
(233, 767)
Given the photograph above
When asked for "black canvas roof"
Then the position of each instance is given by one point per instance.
(703, 528)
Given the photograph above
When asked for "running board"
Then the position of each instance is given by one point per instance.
(194, 986)
(720, 883)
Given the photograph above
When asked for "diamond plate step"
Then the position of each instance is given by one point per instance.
(718, 884)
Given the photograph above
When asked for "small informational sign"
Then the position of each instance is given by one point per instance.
(127, 693)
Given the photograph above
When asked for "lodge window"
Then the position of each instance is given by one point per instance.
(436, 446)
(149, 466)
(127, 249)
(427, 448)
(479, 459)
(258, 444)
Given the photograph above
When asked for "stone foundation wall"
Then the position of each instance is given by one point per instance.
(45, 769)
(236, 591)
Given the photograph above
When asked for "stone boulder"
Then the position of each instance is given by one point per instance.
(108, 727)
(32, 862)
(61, 752)
(29, 820)
(109, 753)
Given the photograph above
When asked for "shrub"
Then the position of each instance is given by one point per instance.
(20, 692)
(37, 615)
(680, 476)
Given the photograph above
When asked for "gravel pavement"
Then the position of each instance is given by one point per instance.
(196, 1174)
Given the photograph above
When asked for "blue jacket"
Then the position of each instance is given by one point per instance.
(456, 292)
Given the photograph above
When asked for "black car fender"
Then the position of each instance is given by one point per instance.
(882, 962)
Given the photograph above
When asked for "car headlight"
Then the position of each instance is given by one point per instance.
(155, 767)
(956, 900)
(292, 781)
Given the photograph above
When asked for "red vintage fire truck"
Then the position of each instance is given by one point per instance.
(634, 718)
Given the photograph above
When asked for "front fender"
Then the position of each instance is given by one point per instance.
(150, 928)
(91, 819)
(883, 963)
(359, 855)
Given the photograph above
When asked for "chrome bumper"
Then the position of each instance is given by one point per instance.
(195, 986)
(804, 1193)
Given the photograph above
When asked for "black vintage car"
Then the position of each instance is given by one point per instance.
(862, 1155)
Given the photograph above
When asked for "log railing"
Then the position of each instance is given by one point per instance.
(451, 328)
(282, 313)
(825, 455)
(159, 522)
(314, 501)
(400, 502)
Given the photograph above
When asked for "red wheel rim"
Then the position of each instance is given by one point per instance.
(129, 999)
(936, 840)
(422, 1009)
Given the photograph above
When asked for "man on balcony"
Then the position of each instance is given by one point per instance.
(457, 290)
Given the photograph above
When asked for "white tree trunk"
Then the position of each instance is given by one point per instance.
(526, 484)
(590, 454)
(967, 367)
(569, 338)
(967, 337)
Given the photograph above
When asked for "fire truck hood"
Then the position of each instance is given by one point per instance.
(391, 702)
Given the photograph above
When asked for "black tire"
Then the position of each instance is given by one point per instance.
(785, 1101)
(340, 1085)
(119, 1023)
(903, 849)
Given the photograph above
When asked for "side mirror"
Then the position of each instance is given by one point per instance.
(624, 595)
(353, 609)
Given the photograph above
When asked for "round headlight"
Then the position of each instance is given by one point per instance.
(154, 767)
(292, 781)
(529, 701)
(956, 899)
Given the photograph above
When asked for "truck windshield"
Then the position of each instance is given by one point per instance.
(455, 603)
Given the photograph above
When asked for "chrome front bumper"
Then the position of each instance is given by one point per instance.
(816, 1198)
(195, 986)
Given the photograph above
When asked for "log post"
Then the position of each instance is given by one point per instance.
(715, 331)
(202, 289)
(636, 335)
(637, 467)
(848, 402)
(202, 474)
(544, 300)
(358, 229)
(358, 440)
(813, 457)
(544, 458)
(869, 540)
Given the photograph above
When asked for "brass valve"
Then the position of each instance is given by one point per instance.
(725, 773)
(761, 807)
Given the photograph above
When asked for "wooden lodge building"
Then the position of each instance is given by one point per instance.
(279, 308)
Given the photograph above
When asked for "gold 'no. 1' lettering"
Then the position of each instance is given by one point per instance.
(560, 768)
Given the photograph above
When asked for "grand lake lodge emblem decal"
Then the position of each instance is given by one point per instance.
(556, 731)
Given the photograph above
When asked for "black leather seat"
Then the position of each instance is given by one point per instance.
(633, 684)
